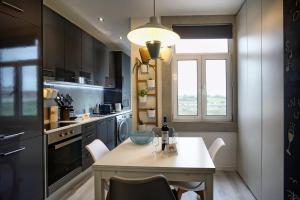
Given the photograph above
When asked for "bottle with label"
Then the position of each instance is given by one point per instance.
(164, 134)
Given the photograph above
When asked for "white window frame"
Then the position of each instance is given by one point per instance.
(201, 87)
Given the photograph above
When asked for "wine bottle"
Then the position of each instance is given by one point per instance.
(164, 134)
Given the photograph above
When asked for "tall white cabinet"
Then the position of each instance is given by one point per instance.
(260, 97)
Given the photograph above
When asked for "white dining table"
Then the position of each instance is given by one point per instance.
(191, 163)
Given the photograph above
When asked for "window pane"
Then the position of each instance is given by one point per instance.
(29, 90)
(202, 46)
(7, 91)
(216, 87)
(187, 88)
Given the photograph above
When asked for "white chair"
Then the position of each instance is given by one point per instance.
(198, 187)
(98, 149)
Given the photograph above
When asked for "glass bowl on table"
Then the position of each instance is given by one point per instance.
(141, 138)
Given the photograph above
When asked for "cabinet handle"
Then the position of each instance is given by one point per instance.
(12, 6)
(12, 152)
(3, 137)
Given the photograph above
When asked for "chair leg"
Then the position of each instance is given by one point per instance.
(201, 194)
(180, 193)
(107, 196)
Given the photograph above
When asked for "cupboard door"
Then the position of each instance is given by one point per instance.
(29, 10)
(111, 133)
(102, 131)
(53, 44)
(87, 55)
(21, 170)
(72, 50)
(101, 63)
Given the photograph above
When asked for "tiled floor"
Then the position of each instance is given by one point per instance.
(227, 186)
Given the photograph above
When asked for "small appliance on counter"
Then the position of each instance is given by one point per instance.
(118, 107)
(105, 109)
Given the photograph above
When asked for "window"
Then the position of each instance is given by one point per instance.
(201, 80)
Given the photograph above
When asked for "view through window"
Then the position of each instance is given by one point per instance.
(202, 86)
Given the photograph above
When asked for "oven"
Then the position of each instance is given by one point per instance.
(64, 157)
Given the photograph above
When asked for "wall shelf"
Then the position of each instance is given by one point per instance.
(152, 94)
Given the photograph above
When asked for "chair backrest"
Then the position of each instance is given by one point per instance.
(153, 188)
(97, 149)
(215, 147)
(157, 131)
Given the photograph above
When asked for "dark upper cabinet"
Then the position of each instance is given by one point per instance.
(87, 56)
(72, 51)
(101, 64)
(29, 10)
(53, 44)
(122, 78)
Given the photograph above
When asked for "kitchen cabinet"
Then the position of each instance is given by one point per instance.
(111, 133)
(88, 136)
(72, 35)
(106, 132)
(21, 170)
(87, 57)
(29, 10)
(104, 72)
(53, 44)
(122, 91)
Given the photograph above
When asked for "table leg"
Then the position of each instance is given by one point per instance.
(99, 186)
(209, 187)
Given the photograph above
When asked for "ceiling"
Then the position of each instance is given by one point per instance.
(117, 13)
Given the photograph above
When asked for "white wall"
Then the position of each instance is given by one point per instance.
(226, 158)
(260, 97)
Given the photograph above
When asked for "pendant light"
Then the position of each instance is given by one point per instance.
(153, 35)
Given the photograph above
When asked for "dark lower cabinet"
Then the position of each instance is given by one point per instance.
(21, 170)
(88, 136)
(111, 132)
(106, 130)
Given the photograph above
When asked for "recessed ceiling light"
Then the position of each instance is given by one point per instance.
(121, 38)
(100, 19)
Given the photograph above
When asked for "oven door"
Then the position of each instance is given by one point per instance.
(64, 162)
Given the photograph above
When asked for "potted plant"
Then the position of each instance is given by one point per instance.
(143, 96)
(144, 68)
(151, 83)
(141, 125)
(151, 113)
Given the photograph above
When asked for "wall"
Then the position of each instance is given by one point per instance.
(260, 97)
(84, 98)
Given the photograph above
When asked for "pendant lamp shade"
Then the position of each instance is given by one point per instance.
(153, 31)
(153, 49)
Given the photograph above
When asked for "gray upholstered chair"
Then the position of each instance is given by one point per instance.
(152, 188)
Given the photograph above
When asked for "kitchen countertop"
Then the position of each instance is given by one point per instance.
(81, 122)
